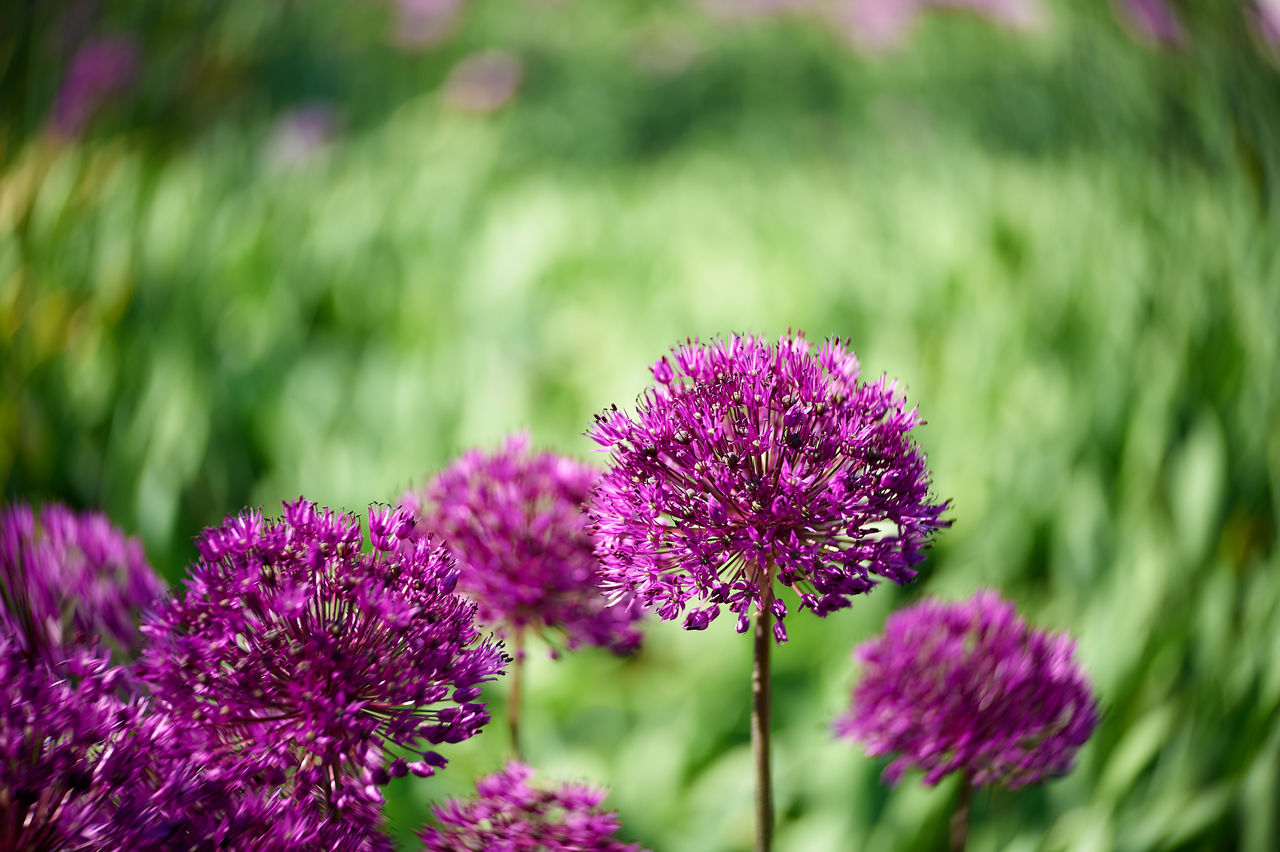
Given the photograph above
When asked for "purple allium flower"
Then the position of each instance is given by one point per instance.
(423, 23)
(971, 687)
(508, 815)
(483, 81)
(750, 462)
(1264, 20)
(883, 24)
(101, 69)
(1153, 21)
(305, 655)
(70, 579)
(68, 746)
(301, 134)
(515, 521)
(191, 805)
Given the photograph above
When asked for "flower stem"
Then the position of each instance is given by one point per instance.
(513, 700)
(960, 816)
(760, 723)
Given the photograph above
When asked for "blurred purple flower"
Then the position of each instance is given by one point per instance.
(422, 23)
(300, 134)
(70, 580)
(970, 687)
(1154, 21)
(749, 462)
(303, 655)
(516, 522)
(102, 69)
(483, 82)
(883, 24)
(68, 746)
(509, 815)
(1264, 18)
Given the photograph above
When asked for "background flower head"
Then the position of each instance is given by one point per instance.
(749, 462)
(516, 523)
(970, 687)
(303, 653)
(71, 579)
(510, 814)
(102, 69)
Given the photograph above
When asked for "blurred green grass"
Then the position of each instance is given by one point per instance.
(1064, 246)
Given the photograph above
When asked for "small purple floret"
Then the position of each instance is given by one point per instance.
(748, 463)
(970, 687)
(509, 814)
(516, 522)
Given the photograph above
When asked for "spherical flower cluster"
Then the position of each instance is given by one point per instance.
(193, 805)
(508, 815)
(69, 580)
(68, 745)
(749, 462)
(970, 687)
(516, 523)
(884, 24)
(298, 652)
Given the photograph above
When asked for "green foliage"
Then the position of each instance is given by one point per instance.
(1064, 245)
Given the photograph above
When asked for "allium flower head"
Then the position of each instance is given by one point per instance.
(102, 69)
(300, 651)
(192, 806)
(970, 687)
(1153, 21)
(750, 462)
(516, 523)
(509, 815)
(68, 745)
(69, 579)
(882, 24)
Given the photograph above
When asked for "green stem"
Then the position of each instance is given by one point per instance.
(513, 700)
(960, 816)
(760, 722)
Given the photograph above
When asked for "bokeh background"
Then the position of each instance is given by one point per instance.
(253, 249)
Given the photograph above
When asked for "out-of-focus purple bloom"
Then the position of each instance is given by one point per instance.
(422, 23)
(883, 24)
(101, 69)
(483, 82)
(70, 579)
(749, 462)
(302, 655)
(1264, 18)
(1154, 21)
(508, 815)
(970, 687)
(302, 133)
(516, 522)
(68, 746)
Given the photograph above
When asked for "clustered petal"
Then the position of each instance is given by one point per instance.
(749, 462)
(197, 806)
(68, 744)
(71, 580)
(516, 522)
(509, 815)
(299, 654)
(970, 687)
